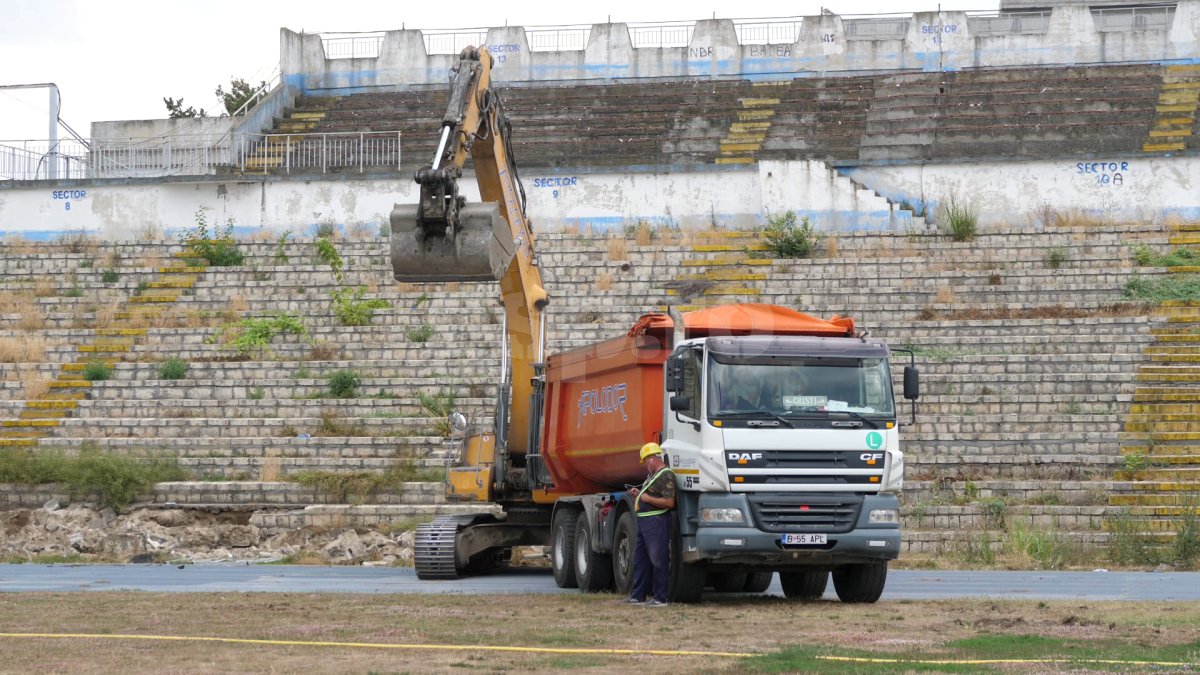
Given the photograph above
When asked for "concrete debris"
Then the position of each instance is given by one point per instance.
(51, 506)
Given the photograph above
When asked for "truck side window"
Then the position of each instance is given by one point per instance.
(691, 383)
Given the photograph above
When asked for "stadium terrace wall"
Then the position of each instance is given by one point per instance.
(1005, 194)
(935, 41)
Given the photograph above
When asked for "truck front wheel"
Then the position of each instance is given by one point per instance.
(804, 585)
(562, 549)
(624, 541)
(860, 583)
(758, 582)
(593, 571)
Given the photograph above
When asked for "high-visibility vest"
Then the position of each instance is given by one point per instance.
(637, 501)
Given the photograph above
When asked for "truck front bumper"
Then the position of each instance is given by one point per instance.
(747, 545)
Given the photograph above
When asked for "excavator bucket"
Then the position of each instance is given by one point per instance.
(480, 251)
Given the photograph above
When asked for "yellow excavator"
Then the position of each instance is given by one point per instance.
(440, 239)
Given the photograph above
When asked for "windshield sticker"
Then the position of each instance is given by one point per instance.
(842, 406)
(874, 440)
(802, 401)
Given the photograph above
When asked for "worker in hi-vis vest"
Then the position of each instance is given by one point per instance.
(652, 555)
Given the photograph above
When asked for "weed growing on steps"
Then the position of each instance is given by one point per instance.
(357, 487)
(173, 369)
(438, 406)
(1186, 549)
(96, 371)
(790, 240)
(219, 249)
(959, 222)
(344, 384)
(257, 394)
(255, 335)
(116, 479)
(110, 276)
(1055, 257)
(1145, 256)
(1161, 289)
(352, 310)
(333, 426)
(326, 230)
(419, 334)
(327, 253)
(1128, 543)
(281, 257)
(30, 349)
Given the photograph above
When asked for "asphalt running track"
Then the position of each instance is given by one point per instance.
(902, 584)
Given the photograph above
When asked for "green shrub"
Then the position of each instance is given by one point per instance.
(328, 254)
(281, 254)
(220, 250)
(74, 292)
(385, 229)
(789, 240)
(352, 310)
(1129, 543)
(344, 384)
(255, 335)
(1186, 548)
(110, 276)
(1055, 257)
(419, 334)
(1145, 256)
(961, 222)
(116, 479)
(325, 230)
(1184, 287)
(96, 371)
(173, 369)
(257, 394)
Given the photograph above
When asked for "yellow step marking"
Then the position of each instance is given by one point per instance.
(744, 115)
(29, 423)
(748, 127)
(758, 102)
(740, 147)
(735, 160)
(1162, 147)
(52, 405)
(1170, 134)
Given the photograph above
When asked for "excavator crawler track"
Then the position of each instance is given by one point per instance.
(434, 553)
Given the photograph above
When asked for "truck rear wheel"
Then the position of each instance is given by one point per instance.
(758, 582)
(728, 582)
(624, 541)
(562, 548)
(593, 571)
(804, 585)
(860, 583)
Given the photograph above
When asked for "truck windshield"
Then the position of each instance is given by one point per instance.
(798, 386)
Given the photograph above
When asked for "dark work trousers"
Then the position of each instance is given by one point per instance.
(652, 553)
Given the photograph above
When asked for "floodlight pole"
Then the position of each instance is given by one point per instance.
(52, 132)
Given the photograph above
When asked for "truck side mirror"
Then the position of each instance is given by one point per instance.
(681, 403)
(673, 375)
(912, 383)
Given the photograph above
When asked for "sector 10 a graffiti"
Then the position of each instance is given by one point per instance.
(1105, 173)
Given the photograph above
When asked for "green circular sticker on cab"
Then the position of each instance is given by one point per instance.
(874, 440)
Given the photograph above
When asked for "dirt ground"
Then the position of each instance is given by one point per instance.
(790, 635)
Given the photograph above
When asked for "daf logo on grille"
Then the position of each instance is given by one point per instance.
(743, 457)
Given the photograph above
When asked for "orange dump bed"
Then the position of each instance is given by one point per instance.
(604, 401)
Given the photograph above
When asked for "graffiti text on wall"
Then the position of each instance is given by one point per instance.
(936, 33)
(68, 195)
(1105, 173)
(555, 183)
(500, 52)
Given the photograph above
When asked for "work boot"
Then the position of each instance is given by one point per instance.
(655, 603)
(632, 601)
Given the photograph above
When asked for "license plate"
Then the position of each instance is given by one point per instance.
(804, 539)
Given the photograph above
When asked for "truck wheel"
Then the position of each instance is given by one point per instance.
(804, 585)
(758, 582)
(624, 541)
(687, 579)
(728, 582)
(860, 583)
(593, 571)
(562, 549)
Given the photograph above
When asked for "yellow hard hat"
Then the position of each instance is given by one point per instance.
(650, 449)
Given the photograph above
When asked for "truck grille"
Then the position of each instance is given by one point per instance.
(798, 459)
(806, 513)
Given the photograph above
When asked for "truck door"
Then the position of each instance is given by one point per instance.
(683, 428)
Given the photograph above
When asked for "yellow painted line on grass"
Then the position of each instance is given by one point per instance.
(987, 662)
(370, 645)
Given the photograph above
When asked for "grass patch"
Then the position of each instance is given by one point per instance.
(345, 487)
(352, 310)
(1145, 256)
(789, 239)
(173, 369)
(419, 334)
(257, 394)
(96, 371)
(110, 276)
(344, 384)
(116, 479)
(960, 222)
(254, 335)
(1182, 287)
(219, 249)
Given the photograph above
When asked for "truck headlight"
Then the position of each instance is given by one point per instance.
(721, 515)
(884, 516)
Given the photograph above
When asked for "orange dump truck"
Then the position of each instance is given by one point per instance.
(782, 431)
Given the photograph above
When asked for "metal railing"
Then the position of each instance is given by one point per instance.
(333, 152)
(1133, 18)
(357, 46)
(767, 31)
(112, 158)
(42, 160)
(558, 39)
(1008, 23)
(453, 41)
(673, 34)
